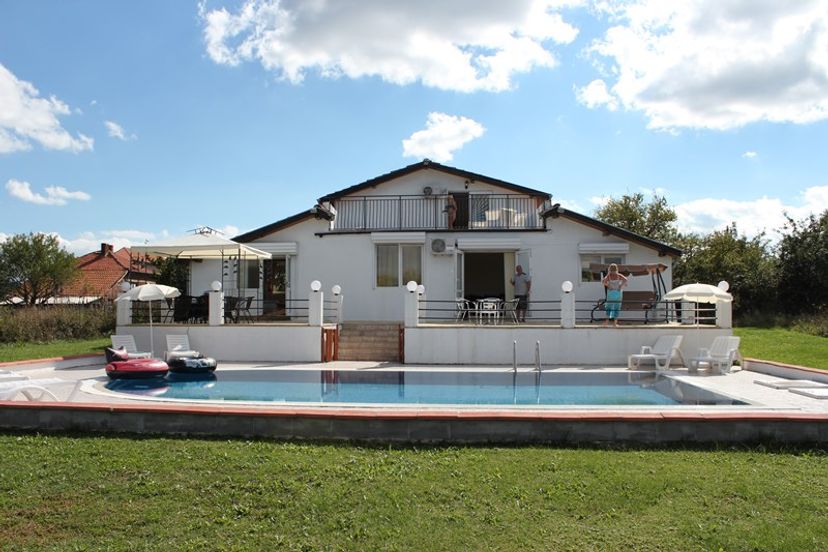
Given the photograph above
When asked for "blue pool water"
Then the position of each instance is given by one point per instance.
(420, 387)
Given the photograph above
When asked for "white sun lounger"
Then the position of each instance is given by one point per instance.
(33, 390)
(178, 346)
(820, 393)
(720, 356)
(128, 342)
(665, 348)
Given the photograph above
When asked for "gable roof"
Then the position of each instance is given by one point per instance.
(663, 249)
(427, 164)
(275, 226)
(99, 273)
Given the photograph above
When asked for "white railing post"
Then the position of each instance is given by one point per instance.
(724, 315)
(411, 305)
(315, 304)
(567, 305)
(215, 307)
(122, 312)
(337, 293)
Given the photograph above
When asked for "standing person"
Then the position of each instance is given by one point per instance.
(614, 282)
(451, 210)
(522, 283)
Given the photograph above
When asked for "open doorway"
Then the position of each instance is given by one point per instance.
(483, 275)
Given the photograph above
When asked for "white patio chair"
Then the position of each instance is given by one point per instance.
(720, 356)
(489, 310)
(178, 346)
(127, 342)
(32, 389)
(8, 375)
(665, 348)
(510, 310)
(464, 310)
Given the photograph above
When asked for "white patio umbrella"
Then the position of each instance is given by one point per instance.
(150, 292)
(698, 293)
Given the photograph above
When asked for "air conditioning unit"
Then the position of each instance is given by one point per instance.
(439, 247)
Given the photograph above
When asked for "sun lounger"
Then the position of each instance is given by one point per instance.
(33, 390)
(665, 348)
(720, 356)
(788, 384)
(127, 342)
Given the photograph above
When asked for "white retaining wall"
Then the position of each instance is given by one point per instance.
(238, 342)
(579, 346)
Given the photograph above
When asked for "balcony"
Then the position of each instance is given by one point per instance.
(472, 212)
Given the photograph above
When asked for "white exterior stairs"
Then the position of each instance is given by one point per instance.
(370, 341)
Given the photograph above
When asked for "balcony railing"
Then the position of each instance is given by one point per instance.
(438, 212)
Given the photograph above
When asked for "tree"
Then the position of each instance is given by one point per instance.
(35, 267)
(654, 220)
(747, 264)
(803, 265)
(173, 272)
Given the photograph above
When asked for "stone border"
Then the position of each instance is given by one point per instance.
(420, 426)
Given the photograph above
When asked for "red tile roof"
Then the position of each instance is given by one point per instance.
(101, 273)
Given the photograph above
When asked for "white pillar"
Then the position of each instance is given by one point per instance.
(412, 306)
(215, 306)
(724, 315)
(315, 306)
(688, 312)
(122, 310)
(568, 310)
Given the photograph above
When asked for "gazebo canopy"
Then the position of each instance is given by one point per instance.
(201, 246)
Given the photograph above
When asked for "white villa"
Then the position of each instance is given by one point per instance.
(332, 282)
(374, 237)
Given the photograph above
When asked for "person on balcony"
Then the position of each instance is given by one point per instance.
(614, 282)
(523, 284)
(451, 210)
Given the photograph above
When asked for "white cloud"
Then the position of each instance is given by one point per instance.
(443, 135)
(86, 242)
(715, 64)
(600, 201)
(117, 131)
(25, 117)
(750, 155)
(55, 195)
(464, 45)
(595, 94)
(751, 216)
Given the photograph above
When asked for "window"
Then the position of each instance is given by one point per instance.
(399, 264)
(249, 274)
(586, 260)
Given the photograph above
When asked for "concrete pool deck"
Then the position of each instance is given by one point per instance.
(772, 415)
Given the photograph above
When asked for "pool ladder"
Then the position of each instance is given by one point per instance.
(537, 356)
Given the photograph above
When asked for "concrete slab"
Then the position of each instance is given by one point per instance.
(787, 384)
(812, 393)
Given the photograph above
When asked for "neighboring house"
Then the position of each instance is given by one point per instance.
(100, 274)
(459, 233)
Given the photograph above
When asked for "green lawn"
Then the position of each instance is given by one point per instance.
(106, 493)
(24, 351)
(784, 346)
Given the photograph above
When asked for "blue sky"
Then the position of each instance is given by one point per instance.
(131, 122)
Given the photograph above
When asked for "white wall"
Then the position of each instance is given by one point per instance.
(348, 259)
(579, 346)
(238, 342)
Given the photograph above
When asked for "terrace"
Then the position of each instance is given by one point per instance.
(434, 212)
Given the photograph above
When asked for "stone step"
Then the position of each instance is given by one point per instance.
(369, 356)
(369, 335)
(357, 349)
(369, 339)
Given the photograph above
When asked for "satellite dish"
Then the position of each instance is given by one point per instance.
(427, 191)
(438, 245)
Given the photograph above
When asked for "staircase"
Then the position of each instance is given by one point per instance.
(370, 341)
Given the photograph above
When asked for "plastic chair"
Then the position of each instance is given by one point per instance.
(720, 356)
(510, 310)
(127, 342)
(489, 310)
(464, 309)
(665, 348)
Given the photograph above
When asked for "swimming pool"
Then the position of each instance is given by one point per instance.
(428, 388)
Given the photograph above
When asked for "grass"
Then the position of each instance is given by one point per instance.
(783, 345)
(111, 493)
(23, 351)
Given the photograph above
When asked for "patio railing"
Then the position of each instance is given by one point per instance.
(471, 212)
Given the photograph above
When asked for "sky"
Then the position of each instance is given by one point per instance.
(132, 122)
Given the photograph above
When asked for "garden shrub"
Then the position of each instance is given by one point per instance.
(813, 324)
(50, 323)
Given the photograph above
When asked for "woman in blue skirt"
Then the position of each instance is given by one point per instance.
(614, 282)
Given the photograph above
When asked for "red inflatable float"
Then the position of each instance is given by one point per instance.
(120, 366)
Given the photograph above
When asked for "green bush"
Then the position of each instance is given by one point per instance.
(50, 323)
(814, 324)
